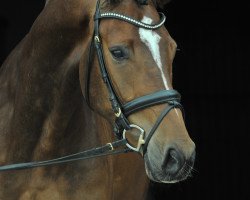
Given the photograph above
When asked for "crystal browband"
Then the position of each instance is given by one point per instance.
(134, 21)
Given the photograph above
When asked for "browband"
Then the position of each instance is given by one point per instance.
(131, 20)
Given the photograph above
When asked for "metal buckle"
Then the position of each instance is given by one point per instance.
(118, 114)
(141, 140)
(111, 146)
(97, 39)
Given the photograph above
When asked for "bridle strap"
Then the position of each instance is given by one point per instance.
(172, 105)
(99, 50)
(113, 15)
(160, 97)
(108, 149)
(115, 103)
(88, 72)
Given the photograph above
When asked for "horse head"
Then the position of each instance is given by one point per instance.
(137, 52)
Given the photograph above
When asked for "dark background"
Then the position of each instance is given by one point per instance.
(211, 71)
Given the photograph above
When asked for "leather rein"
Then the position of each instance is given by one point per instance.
(121, 111)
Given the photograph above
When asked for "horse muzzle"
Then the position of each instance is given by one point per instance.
(171, 166)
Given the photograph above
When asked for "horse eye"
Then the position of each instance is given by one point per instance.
(119, 53)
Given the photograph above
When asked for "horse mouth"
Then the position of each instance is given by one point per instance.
(156, 174)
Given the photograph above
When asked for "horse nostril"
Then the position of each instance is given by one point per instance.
(173, 161)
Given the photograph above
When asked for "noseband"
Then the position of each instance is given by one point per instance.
(122, 111)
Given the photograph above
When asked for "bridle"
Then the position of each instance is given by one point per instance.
(121, 111)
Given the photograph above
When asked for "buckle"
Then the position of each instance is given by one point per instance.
(118, 114)
(97, 39)
(110, 146)
(141, 140)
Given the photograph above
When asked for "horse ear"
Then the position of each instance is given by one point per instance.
(46, 1)
(162, 3)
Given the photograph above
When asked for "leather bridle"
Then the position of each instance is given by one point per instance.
(121, 111)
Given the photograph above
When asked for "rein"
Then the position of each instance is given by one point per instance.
(121, 111)
(106, 150)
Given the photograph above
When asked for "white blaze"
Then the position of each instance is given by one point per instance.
(152, 39)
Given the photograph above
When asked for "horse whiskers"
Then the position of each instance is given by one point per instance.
(192, 168)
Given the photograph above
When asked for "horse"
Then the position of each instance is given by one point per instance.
(90, 74)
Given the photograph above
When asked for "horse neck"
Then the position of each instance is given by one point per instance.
(48, 111)
(51, 123)
(48, 107)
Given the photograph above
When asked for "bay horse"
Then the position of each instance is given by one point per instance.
(86, 70)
